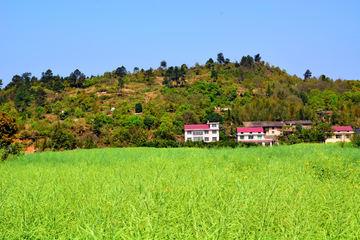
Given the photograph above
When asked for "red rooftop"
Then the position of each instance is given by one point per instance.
(197, 127)
(342, 129)
(254, 129)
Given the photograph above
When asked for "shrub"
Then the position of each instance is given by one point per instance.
(8, 128)
(62, 139)
(138, 108)
(355, 139)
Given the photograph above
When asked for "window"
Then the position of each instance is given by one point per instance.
(251, 137)
(198, 132)
(214, 131)
(206, 132)
(338, 136)
(242, 133)
(206, 139)
(188, 139)
(198, 139)
(250, 132)
(272, 128)
(188, 132)
(213, 125)
(273, 132)
(348, 136)
(242, 137)
(214, 139)
(259, 137)
(259, 132)
(329, 136)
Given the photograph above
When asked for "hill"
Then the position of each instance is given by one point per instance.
(79, 111)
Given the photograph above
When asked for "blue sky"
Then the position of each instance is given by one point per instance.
(98, 36)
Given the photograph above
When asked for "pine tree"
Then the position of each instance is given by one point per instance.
(40, 97)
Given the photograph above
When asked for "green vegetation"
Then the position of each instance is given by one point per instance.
(293, 192)
(168, 97)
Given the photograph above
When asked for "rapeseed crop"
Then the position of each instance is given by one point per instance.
(306, 191)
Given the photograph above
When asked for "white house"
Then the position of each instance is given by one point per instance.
(341, 134)
(252, 134)
(208, 132)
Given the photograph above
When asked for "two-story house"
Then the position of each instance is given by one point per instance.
(208, 132)
(255, 134)
(341, 134)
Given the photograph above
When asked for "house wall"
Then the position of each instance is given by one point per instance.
(272, 130)
(342, 138)
(210, 135)
(247, 134)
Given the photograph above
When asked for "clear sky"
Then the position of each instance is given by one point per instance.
(98, 36)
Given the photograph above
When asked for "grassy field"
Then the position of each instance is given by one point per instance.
(300, 192)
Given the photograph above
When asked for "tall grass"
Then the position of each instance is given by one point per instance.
(301, 192)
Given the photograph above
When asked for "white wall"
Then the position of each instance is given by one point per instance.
(210, 135)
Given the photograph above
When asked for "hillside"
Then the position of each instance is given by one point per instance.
(80, 111)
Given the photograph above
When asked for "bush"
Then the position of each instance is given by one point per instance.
(138, 108)
(89, 142)
(62, 139)
(355, 139)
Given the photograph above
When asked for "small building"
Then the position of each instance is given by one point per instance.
(208, 132)
(274, 128)
(256, 134)
(341, 134)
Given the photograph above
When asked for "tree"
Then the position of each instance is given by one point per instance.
(247, 62)
(58, 87)
(215, 117)
(298, 128)
(148, 122)
(121, 72)
(77, 78)
(47, 76)
(62, 139)
(257, 58)
(304, 97)
(138, 108)
(121, 84)
(189, 117)
(220, 58)
(307, 75)
(149, 76)
(22, 101)
(8, 128)
(136, 69)
(163, 64)
(1, 83)
(269, 91)
(40, 97)
(209, 63)
(214, 74)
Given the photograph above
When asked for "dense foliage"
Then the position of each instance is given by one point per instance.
(166, 98)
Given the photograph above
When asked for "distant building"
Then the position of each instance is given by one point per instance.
(255, 134)
(274, 128)
(208, 132)
(341, 134)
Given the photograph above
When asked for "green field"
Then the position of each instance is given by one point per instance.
(307, 191)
